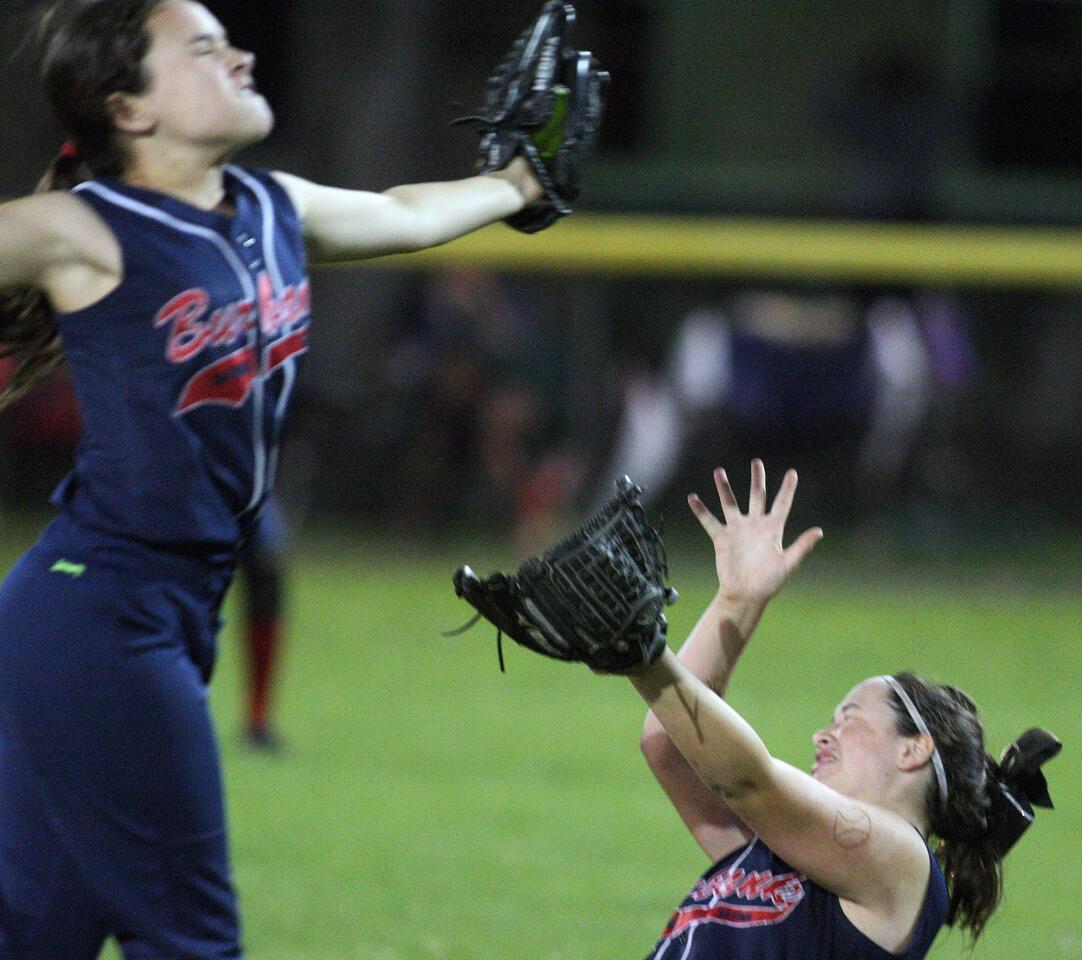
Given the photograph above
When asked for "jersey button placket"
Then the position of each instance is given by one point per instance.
(250, 252)
(246, 241)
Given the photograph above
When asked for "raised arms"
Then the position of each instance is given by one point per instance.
(866, 854)
(751, 568)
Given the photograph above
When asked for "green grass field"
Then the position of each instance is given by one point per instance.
(429, 807)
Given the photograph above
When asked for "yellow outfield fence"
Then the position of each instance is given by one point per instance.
(789, 250)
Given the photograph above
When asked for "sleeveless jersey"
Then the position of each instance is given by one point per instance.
(184, 372)
(751, 905)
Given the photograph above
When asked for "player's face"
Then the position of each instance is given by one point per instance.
(201, 88)
(856, 754)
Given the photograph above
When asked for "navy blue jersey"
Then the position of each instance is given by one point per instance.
(185, 371)
(751, 905)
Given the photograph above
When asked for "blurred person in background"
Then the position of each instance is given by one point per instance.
(840, 385)
(261, 564)
(175, 286)
(490, 445)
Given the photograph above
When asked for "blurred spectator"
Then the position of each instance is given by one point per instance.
(825, 382)
(490, 444)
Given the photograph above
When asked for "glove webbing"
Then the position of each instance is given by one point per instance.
(623, 520)
(600, 581)
(605, 600)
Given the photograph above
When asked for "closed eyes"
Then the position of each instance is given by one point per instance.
(207, 44)
(845, 710)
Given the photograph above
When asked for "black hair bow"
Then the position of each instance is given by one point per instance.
(1019, 786)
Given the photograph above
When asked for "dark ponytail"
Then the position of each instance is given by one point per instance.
(988, 805)
(88, 49)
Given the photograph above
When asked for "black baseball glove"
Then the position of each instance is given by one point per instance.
(545, 101)
(596, 597)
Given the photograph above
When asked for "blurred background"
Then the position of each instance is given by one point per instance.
(844, 236)
(505, 384)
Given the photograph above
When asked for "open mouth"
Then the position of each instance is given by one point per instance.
(821, 761)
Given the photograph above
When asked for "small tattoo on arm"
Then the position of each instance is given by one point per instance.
(852, 827)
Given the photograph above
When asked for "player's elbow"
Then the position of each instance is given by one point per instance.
(658, 750)
(749, 785)
(737, 776)
(736, 790)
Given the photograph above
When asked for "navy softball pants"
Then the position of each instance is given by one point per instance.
(112, 819)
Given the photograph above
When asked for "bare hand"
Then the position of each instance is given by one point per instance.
(521, 176)
(751, 561)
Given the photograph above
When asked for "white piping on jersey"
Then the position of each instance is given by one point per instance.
(270, 257)
(691, 930)
(259, 445)
(739, 860)
(289, 373)
(127, 203)
(177, 224)
(687, 946)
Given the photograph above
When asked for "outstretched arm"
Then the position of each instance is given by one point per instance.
(862, 852)
(343, 225)
(751, 567)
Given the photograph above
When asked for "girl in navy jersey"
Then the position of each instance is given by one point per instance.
(835, 865)
(175, 284)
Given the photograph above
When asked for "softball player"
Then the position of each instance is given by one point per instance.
(835, 864)
(177, 282)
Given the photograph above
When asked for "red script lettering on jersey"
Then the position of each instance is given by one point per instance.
(777, 897)
(190, 334)
(283, 321)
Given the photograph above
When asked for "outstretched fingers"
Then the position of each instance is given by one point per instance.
(800, 548)
(783, 502)
(779, 510)
(711, 524)
(729, 507)
(757, 496)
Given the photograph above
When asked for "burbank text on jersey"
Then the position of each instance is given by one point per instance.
(739, 898)
(752, 905)
(229, 380)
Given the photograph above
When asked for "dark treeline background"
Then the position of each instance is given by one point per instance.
(509, 402)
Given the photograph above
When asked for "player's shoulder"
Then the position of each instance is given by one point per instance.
(299, 190)
(55, 211)
(59, 222)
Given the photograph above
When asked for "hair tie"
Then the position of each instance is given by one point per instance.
(70, 151)
(1018, 786)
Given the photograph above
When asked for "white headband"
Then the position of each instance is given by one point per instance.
(918, 721)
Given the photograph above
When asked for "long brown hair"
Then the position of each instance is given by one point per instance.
(88, 50)
(966, 847)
